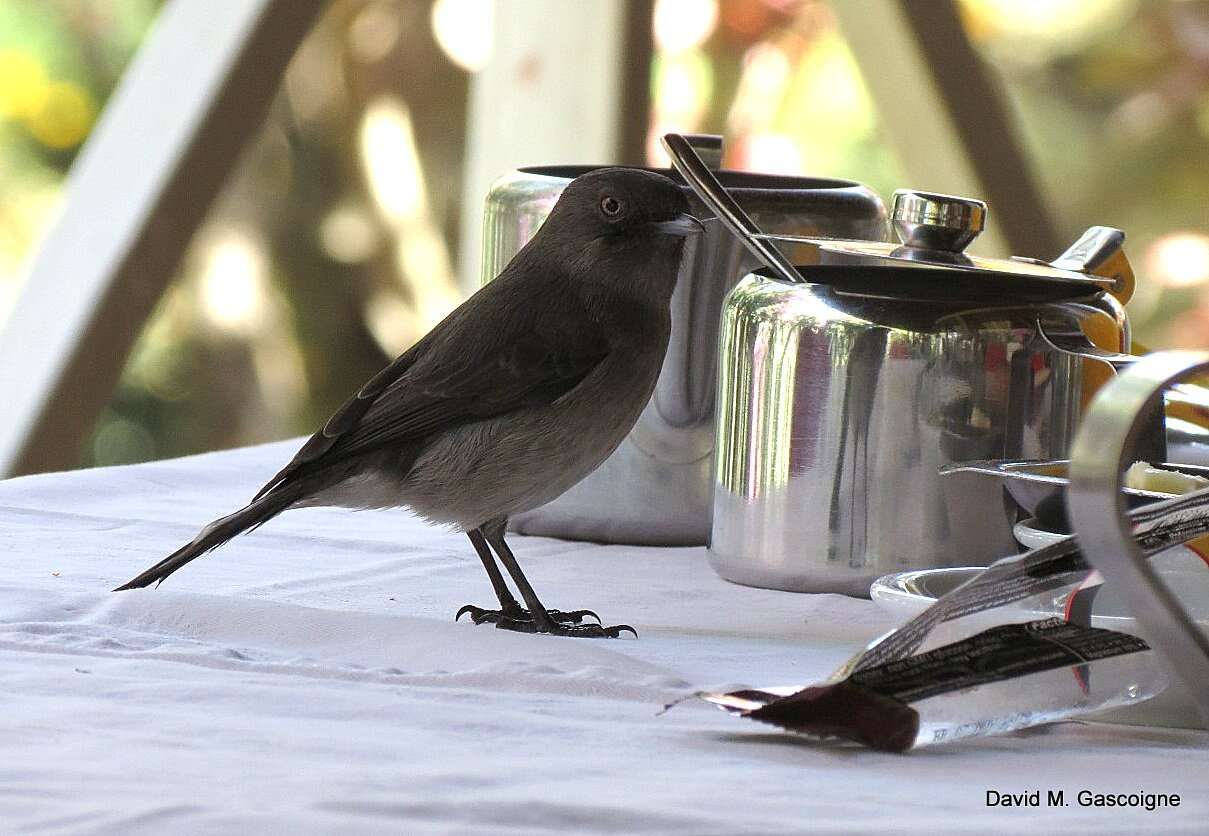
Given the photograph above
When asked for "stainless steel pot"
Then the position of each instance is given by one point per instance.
(841, 397)
(657, 487)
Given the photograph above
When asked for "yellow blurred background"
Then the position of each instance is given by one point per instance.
(334, 245)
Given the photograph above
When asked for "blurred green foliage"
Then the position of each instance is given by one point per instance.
(59, 60)
(1112, 98)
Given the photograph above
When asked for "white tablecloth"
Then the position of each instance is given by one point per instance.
(308, 677)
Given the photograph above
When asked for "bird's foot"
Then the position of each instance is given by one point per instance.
(554, 627)
(518, 613)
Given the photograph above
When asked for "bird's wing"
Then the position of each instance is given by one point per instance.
(482, 361)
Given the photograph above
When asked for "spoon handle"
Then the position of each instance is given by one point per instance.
(714, 195)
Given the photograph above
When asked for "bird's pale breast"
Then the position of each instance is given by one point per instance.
(517, 462)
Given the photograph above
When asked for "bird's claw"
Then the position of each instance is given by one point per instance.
(477, 614)
(572, 616)
(555, 628)
(481, 616)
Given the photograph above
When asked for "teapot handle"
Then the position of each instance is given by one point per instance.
(1070, 339)
(1100, 252)
(1067, 337)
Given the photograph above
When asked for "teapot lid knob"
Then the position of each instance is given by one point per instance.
(928, 221)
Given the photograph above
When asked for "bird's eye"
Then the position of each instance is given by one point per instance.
(611, 206)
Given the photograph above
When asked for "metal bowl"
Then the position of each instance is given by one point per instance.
(1039, 487)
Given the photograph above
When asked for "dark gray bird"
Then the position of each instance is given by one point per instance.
(513, 398)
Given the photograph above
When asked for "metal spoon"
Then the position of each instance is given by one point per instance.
(714, 195)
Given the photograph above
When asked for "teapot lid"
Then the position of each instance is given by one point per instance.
(934, 230)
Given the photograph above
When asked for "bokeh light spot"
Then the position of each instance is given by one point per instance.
(232, 283)
(772, 153)
(463, 30)
(389, 154)
(121, 441)
(63, 116)
(1179, 259)
(22, 83)
(374, 32)
(684, 24)
(1041, 29)
(348, 234)
(683, 86)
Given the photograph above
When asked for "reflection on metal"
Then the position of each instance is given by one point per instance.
(1072, 340)
(836, 413)
(936, 221)
(1103, 449)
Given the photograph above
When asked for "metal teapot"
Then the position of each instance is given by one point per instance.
(843, 393)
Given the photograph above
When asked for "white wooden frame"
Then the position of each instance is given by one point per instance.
(196, 91)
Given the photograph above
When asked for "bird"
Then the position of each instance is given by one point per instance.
(515, 396)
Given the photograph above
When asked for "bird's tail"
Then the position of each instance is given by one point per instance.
(218, 532)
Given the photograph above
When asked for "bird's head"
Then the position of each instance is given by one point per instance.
(620, 227)
(623, 203)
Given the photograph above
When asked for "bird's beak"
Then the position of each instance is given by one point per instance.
(683, 225)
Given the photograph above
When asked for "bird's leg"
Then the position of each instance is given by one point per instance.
(508, 605)
(509, 608)
(541, 620)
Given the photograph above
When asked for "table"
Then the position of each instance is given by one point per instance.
(308, 678)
